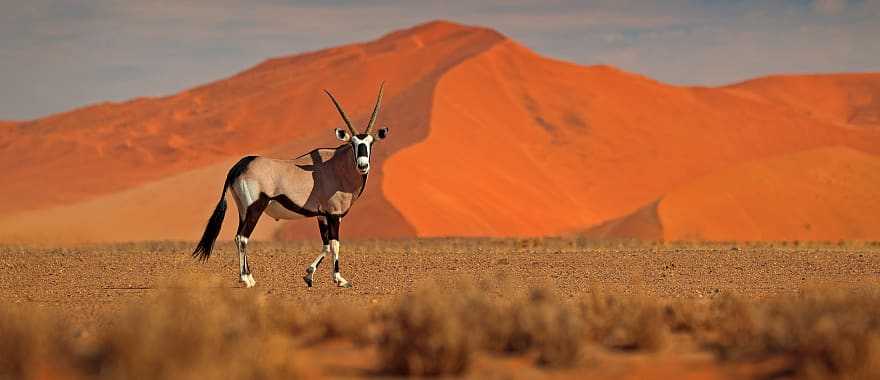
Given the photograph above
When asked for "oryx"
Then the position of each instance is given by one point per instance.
(323, 183)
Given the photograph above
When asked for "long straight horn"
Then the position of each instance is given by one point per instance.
(375, 110)
(342, 113)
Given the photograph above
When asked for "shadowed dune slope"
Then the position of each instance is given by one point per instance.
(487, 139)
(534, 146)
(643, 224)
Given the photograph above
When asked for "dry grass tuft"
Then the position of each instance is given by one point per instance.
(30, 343)
(344, 321)
(686, 316)
(430, 333)
(623, 322)
(182, 336)
(536, 322)
(425, 335)
(179, 335)
(822, 333)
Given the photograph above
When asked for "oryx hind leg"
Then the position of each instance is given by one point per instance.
(325, 239)
(245, 228)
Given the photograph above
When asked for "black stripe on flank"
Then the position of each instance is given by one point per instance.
(283, 200)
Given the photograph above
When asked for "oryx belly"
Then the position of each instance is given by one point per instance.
(278, 211)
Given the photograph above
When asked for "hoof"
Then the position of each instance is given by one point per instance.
(248, 280)
(345, 285)
(308, 281)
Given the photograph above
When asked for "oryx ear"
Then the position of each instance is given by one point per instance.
(383, 132)
(342, 135)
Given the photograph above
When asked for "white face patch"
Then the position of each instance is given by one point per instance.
(362, 149)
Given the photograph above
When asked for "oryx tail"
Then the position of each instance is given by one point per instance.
(212, 229)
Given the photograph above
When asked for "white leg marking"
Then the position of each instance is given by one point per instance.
(324, 251)
(313, 267)
(337, 278)
(243, 271)
(245, 200)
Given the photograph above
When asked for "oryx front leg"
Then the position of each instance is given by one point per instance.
(334, 251)
(324, 228)
(313, 267)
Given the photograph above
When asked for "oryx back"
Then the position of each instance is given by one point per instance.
(315, 184)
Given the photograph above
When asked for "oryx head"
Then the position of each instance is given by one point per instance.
(361, 143)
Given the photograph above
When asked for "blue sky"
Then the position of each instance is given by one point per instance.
(56, 55)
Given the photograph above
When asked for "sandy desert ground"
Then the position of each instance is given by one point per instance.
(572, 308)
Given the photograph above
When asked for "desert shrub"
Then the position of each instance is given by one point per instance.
(343, 321)
(822, 333)
(731, 327)
(557, 330)
(32, 344)
(179, 335)
(431, 333)
(623, 322)
(686, 316)
(425, 335)
(537, 322)
(184, 335)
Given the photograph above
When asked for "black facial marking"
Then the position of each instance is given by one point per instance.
(362, 149)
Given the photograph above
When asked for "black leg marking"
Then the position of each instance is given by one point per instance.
(246, 226)
(333, 224)
(319, 262)
(325, 230)
(252, 216)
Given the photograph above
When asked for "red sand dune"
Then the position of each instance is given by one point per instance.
(553, 147)
(824, 194)
(487, 138)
